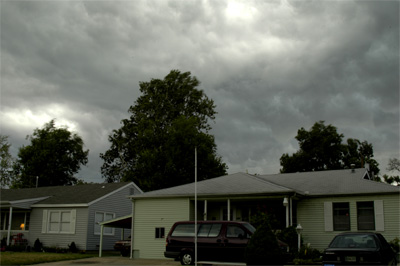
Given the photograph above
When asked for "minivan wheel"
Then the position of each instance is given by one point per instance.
(187, 258)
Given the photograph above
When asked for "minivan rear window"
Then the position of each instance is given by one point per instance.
(205, 230)
(183, 230)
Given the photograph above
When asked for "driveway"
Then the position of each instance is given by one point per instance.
(119, 261)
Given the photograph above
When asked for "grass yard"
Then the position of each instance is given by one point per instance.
(27, 258)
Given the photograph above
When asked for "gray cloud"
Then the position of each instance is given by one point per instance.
(271, 67)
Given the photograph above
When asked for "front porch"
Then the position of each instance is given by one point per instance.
(282, 209)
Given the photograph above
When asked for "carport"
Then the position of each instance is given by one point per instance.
(124, 222)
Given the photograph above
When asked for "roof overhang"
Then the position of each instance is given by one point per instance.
(219, 196)
(120, 222)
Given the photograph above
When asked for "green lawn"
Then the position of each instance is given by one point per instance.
(27, 258)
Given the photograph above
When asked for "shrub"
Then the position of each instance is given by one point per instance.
(73, 248)
(37, 246)
(263, 248)
(290, 237)
(308, 256)
(395, 244)
(4, 242)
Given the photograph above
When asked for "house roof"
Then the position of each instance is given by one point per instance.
(333, 182)
(79, 194)
(234, 184)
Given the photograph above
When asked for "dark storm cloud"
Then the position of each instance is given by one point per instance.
(271, 67)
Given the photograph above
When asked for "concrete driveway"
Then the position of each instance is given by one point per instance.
(96, 261)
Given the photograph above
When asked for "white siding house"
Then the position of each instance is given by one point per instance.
(324, 203)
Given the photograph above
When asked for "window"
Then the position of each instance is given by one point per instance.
(102, 217)
(59, 222)
(235, 231)
(183, 230)
(160, 232)
(341, 216)
(365, 215)
(209, 230)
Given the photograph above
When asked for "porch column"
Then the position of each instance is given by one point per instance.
(229, 210)
(101, 240)
(286, 204)
(9, 227)
(132, 227)
(205, 211)
(291, 211)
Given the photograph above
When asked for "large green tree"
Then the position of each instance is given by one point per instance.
(155, 146)
(6, 162)
(322, 148)
(54, 156)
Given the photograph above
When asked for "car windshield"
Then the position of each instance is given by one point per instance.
(353, 241)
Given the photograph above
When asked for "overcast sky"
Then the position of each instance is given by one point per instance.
(271, 67)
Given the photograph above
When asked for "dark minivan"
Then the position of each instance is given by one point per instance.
(216, 241)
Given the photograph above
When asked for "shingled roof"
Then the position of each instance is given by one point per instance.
(334, 182)
(331, 182)
(235, 184)
(79, 194)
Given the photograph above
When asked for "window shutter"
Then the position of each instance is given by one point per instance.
(73, 221)
(379, 217)
(44, 222)
(328, 216)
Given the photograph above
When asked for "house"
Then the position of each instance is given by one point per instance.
(324, 203)
(58, 216)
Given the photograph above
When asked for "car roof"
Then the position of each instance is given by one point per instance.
(210, 222)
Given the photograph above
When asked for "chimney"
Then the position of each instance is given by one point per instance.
(353, 170)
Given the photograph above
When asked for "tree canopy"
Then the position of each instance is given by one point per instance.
(393, 165)
(54, 156)
(155, 146)
(6, 162)
(322, 148)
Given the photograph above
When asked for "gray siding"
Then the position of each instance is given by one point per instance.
(58, 240)
(117, 203)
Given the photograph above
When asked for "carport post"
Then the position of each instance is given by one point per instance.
(132, 224)
(9, 226)
(205, 211)
(101, 240)
(229, 210)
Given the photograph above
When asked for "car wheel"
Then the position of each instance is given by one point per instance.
(187, 258)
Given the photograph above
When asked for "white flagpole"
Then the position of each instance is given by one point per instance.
(195, 206)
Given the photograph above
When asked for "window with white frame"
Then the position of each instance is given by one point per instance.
(341, 216)
(59, 221)
(365, 215)
(102, 217)
(370, 215)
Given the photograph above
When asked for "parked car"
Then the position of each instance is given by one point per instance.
(359, 249)
(123, 246)
(216, 241)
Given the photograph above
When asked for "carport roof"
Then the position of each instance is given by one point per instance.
(120, 222)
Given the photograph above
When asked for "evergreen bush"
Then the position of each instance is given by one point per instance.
(73, 248)
(37, 246)
(263, 248)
